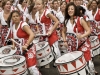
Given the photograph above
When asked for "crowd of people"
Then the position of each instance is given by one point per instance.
(21, 20)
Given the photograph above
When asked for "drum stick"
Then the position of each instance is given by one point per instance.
(77, 39)
(15, 42)
(8, 34)
(18, 44)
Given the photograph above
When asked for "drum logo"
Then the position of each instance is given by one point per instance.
(30, 55)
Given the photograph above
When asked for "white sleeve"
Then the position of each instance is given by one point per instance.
(24, 24)
(81, 19)
(47, 12)
(28, 16)
(87, 19)
(20, 8)
(60, 17)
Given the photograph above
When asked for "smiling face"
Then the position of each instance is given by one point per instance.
(39, 5)
(63, 6)
(7, 6)
(71, 10)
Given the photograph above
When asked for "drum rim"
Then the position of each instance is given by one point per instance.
(42, 47)
(94, 39)
(69, 61)
(14, 64)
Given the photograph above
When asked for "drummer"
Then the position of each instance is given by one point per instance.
(6, 10)
(77, 25)
(44, 17)
(22, 31)
(30, 18)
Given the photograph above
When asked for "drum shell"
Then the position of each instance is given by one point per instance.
(61, 45)
(71, 67)
(44, 55)
(95, 46)
(13, 69)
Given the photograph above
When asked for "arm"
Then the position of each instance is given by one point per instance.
(86, 28)
(63, 32)
(27, 29)
(56, 22)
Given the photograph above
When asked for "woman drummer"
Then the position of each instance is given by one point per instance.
(6, 6)
(44, 17)
(22, 32)
(78, 26)
(30, 18)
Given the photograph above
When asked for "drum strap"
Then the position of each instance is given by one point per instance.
(82, 43)
(30, 46)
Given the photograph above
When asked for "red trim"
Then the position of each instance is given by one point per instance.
(73, 70)
(16, 73)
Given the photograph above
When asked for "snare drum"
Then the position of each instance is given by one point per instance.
(6, 51)
(36, 40)
(72, 63)
(95, 46)
(13, 65)
(44, 53)
(62, 48)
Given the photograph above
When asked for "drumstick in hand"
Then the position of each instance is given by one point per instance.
(15, 42)
(18, 44)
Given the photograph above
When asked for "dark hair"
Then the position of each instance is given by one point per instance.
(67, 17)
(10, 16)
(95, 1)
(54, 1)
(31, 7)
(4, 3)
(80, 8)
(21, 1)
(63, 2)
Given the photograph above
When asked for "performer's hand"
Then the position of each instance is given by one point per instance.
(65, 44)
(24, 47)
(49, 33)
(13, 47)
(79, 36)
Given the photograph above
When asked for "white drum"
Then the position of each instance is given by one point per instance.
(62, 48)
(36, 40)
(72, 63)
(44, 53)
(6, 51)
(95, 46)
(13, 65)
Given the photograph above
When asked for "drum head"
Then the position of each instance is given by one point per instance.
(36, 40)
(69, 57)
(6, 51)
(11, 60)
(93, 38)
(41, 45)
